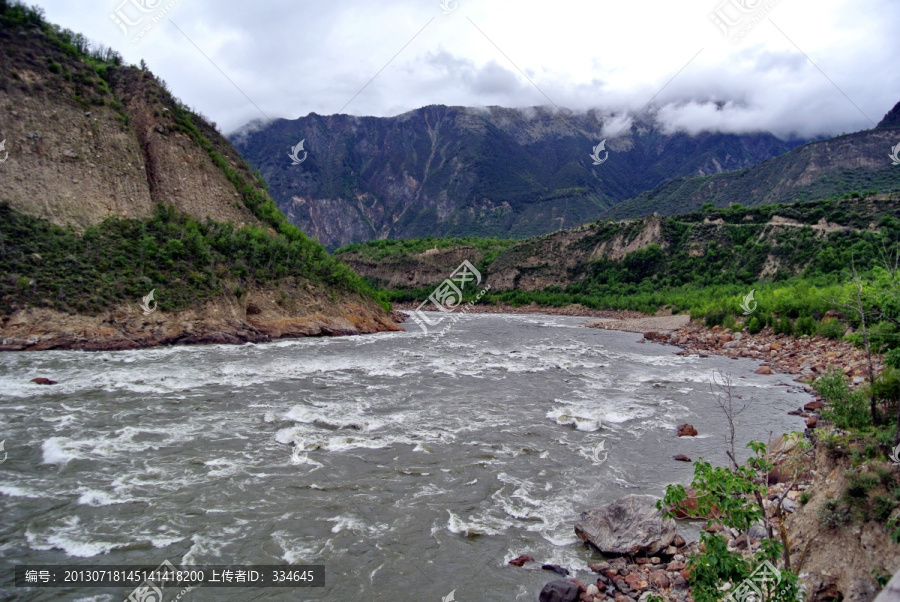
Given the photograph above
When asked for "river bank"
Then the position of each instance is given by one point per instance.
(805, 358)
(258, 316)
(534, 308)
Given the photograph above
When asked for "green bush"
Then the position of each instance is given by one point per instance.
(805, 326)
(882, 507)
(754, 326)
(833, 514)
(831, 329)
(860, 484)
(184, 260)
(784, 326)
(846, 408)
(887, 386)
(731, 495)
(715, 318)
(892, 358)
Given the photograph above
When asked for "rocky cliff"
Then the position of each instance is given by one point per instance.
(457, 171)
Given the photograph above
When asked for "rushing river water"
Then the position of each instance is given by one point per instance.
(409, 465)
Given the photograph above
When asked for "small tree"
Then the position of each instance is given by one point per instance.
(734, 498)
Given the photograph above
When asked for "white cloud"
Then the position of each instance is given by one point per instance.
(292, 58)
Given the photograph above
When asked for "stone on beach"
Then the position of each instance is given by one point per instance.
(630, 525)
(560, 590)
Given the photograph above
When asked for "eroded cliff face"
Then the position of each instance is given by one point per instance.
(83, 148)
(456, 171)
(89, 139)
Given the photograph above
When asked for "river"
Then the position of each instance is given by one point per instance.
(410, 465)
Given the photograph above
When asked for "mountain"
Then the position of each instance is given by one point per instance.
(817, 170)
(456, 171)
(735, 245)
(116, 201)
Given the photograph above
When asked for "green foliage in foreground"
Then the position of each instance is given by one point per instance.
(846, 409)
(184, 260)
(735, 497)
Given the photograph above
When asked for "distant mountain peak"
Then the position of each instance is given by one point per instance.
(892, 119)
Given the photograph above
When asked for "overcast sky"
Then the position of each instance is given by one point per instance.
(293, 57)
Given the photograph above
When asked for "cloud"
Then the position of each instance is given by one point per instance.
(805, 69)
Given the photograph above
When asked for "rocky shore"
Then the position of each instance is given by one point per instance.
(645, 555)
(806, 358)
(258, 317)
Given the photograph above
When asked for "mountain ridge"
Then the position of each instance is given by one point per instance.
(461, 171)
(816, 170)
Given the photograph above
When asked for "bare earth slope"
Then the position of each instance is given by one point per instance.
(90, 140)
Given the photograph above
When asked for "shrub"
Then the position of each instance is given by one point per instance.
(846, 408)
(885, 475)
(887, 386)
(882, 506)
(754, 326)
(832, 514)
(860, 484)
(728, 322)
(892, 358)
(784, 326)
(805, 497)
(832, 329)
(805, 326)
(715, 317)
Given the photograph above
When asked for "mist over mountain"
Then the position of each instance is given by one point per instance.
(819, 170)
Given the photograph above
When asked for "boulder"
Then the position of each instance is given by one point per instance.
(556, 569)
(560, 591)
(764, 370)
(814, 406)
(521, 560)
(681, 458)
(758, 532)
(659, 579)
(628, 526)
(635, 582)
(43, 381)
(687, 430)
(688, 508)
